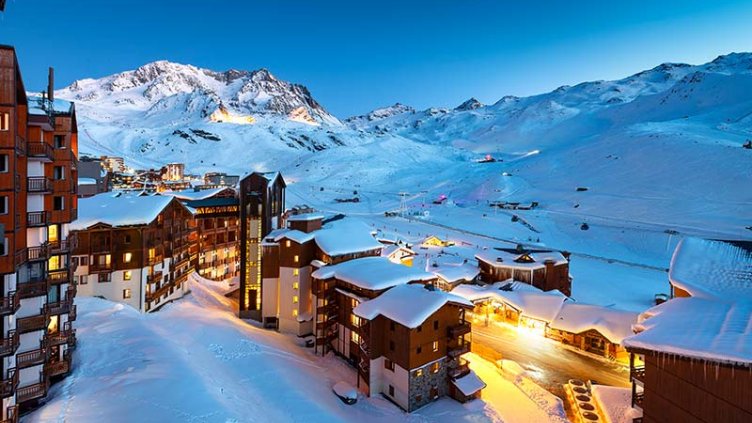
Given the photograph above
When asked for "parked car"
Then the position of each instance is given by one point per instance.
(345, 392)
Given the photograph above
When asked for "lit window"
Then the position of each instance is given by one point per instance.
(295, 313)
(287, 243)
(435, 367)
(297, 259)
(295, 285)
(4, 122)
(355, 337)
(295, 272)
(435, 346)
(127, 275)
(419, 373)
(126, 293)
(355, 320)
(127, 257)
(294, 299)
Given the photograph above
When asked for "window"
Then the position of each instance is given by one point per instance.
(355, 337)
(3, 163)
(391, 326)
(388, 364)
(294, 299)
(295, 312)
(391, 345)
(4, 122)
(435, 346)
(4, 204)
(127, 239)
(353, 302)
(53, 232)
(419, 373)
(297, 258)
(58, 173)
(82, 280)
(74, 260)
(419, 350)
(391, 390)
(5, 247)
(126, 293)
(355, 320)
(127, 275)
(435, 367)
(104, 277)
(287, 243)
(295, 285)
(127, 257)
(435, 325)
(83, 260)
(295, 272)
(58, 202)
(152, 254)
(59, 141)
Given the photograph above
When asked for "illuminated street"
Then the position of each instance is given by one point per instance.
(549, 363)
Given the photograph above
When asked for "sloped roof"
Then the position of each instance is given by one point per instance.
(506, 258)
(615, 325)
(372, 273)
(712, 269)
(408, 305)
(453, 273)
(346, 236)
(123, 210)
(698, 328)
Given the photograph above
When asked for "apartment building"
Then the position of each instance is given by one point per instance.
(543, 269)
(216, 212)
(136, 250)
(38, 173)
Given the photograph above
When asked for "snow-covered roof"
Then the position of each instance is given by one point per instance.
(698, 328)
(87, 181)
(615, 403)
(503, 258)
(305, 217)
(373, 273)
(615, 325)
(408, 305)
(453, 273)
(195, 195)
(345, 236)
(529, 300)
(295, 235)
(469, 384)
(120, 210)
(712, 269)
(389, 250)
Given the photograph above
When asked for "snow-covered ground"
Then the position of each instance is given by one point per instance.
(194, 361)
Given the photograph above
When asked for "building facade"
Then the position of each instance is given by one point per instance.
(543, 269)
(262, 203)
(141, 257)
(38, 173)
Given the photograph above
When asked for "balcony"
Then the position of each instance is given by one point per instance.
(37, 253)
(151, 296)
(459, 349)
(151, 261)
(9, 384)
(58, 247)
(458, 330)
(32, 323)
(637, 399)
(38, 184)
(31, 392)
(37, 218)
(638, 374)
(60, 307)
(155, 277)
(35, 288)
(59, 277)
(72, 313)
(95, 267)
(9, 345)
(39, 151)
(11, 415)
(31, 358)
(10, 303)
(461, 370)
(60, 367)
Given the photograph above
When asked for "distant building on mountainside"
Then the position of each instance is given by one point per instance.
(219, 179)
(691, 357)
(38, 175)
(113, 164)
(174, 172)
(544, 269)
(261, 202)
(136, 250)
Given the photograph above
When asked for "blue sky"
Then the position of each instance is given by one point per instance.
(358, 55)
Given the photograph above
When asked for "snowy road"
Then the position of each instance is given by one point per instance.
(548, 363)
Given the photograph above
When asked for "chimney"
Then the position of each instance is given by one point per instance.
(51, 84)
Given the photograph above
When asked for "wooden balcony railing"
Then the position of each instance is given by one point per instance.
(10, 303)
(155, 277)
(31, 392)
(458, 349)
(72, 313)
(31, 289)
(9, 384)
(58, 247)
(31, 358)
(458, 330)
(461, 370)
(37, 253)
(32, 323)
(61, 337)
(59, 367)
(95, 267)
(59, 277)
(9, 345)
(39, 150)
(638, 373)
(38, 184)
(151, 296)
(59, 307)
(37, 218)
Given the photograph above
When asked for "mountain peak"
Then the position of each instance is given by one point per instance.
(470, 104)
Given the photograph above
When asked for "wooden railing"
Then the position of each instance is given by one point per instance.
(9, 345)
(60, 307)
(59, 277)
(37, 218)
(9, 384)
(59, 367)
(32, 288)
(32, 323)
(638, 373)
(458, 330)
(31, 358)
(459, 349)
(28, 393)
(37, 253)
(39, 150)
(11, 415)
(9, 303)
